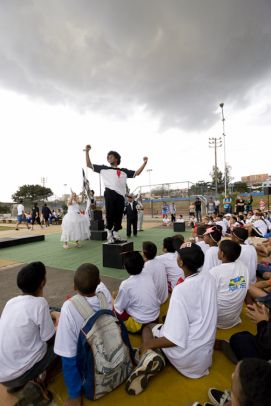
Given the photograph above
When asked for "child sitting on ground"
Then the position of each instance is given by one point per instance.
(27, 337)
(232, 280)
(188, 335)
(169, 259)
(212, 236)
(137, 302)
(156, 269)
(248, 252)
(87, 283)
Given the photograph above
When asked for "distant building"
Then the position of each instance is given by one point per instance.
(255, 179)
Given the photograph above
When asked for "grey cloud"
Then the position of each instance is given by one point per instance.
(177, 59)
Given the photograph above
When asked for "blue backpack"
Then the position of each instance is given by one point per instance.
(104, 352)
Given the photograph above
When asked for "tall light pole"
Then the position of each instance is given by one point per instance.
(149, 172)
(215, 143)
(224, 139)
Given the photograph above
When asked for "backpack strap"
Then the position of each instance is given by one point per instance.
(102, 300)
(82, 306)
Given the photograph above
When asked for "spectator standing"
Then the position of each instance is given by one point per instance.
(131, 214)
(35, 216)
(198, 209)
(46, 212)
(21, 216)
(227, 201)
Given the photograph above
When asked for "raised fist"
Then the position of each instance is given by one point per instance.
(145, 159)
(88, 147)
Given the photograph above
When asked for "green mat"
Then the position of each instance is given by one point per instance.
(52, 254)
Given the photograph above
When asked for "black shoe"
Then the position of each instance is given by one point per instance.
(266, 300)
(36, 394)
(218, 397)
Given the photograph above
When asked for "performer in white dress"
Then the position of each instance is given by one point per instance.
(75, 226)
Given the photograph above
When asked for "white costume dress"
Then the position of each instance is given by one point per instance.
(75, 226)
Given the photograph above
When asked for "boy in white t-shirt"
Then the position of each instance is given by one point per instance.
(137, 302)
(232, 280)
(21, 217)
(87, 283)
(212, 236)
(248, 252)
(27, 336)
(169, 259)
(188, 335)
(156, 269)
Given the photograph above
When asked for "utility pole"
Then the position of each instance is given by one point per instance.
(215, 143)
(149, 172)
(43, 181)
(224, 139)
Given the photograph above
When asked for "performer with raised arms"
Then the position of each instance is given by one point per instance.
(114, 179)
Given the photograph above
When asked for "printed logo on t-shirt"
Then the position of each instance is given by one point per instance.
(237, 283)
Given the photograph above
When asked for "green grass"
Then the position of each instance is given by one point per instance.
(52, 254)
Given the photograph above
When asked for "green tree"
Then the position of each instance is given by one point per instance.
(32, 193)
(240, 187)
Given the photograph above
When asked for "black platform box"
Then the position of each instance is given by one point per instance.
(112, 254)
(98, 235)
(97, 225)
(96, 215)
(179, 227)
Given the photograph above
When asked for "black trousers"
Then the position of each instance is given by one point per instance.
(244, 345)
(114, 206)
(131, 222)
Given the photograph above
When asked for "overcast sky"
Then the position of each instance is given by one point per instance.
(140, 77)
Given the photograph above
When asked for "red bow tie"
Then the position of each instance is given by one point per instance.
(118, 172)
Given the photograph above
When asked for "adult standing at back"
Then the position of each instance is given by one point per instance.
(131, 214)
(35, 215)
(114, 179)
(198, 209)
(227, 204)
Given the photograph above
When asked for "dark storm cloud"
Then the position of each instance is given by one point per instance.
(177, 59)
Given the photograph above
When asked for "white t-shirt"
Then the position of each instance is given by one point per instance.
(223, 225)
(25, 326)
(211, 259)
(137, 296)
(191, 325)
(262, 225)
(70, 323)
(157, 270)
(20, 209)
(174, 272)
(203, 246)
(114, 178)
(249, 257)
(232, 285)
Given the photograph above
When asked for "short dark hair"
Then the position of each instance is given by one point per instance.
(30, 277)
(168, 244)
(192, 257)
(255, 378)
(178, 238)
(86, 278)
(21, 201)
(230, 249)
(201, 229)
(133, 262)
(149, 249)
(116, 155)
(240, 233)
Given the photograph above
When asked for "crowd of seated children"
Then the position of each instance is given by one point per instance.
(212, 236)
(188, 334)
(248, 252)
(174, 273)
(27, 336)
(156, 269)
(87, 284)
(136, 302)
(231, 279)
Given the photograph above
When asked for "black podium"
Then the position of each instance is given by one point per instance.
(97, 231)
(178, 227)
(113, 254)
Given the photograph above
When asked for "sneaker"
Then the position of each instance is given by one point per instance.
(116, 236)
(218, 397)
(36, 394)
(150, 363)
(204, 404)
(110, 238)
